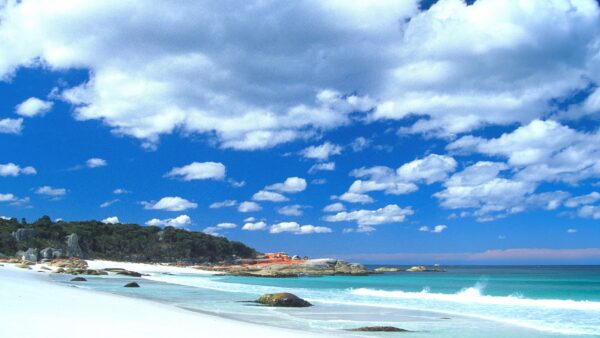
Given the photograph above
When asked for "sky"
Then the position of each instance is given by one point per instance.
(375, 131)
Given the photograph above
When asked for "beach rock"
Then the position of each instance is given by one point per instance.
(78, 279)
(129, 273)
(131, 285)
(283, 299)
(314, 267)
(49, 253)
(23, 234)
(31, 255)
(387, 269)
(421, 268)
(72, 264)
(73, 248)
(379, 329)
(23, 266)
(114, 269)
(45, 268)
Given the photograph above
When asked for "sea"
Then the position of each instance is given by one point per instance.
(463, 301)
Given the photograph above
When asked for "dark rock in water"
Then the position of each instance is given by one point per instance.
(78, 279)
(31, 255)
(73, 248)
(129, 273)
(23, 234)
(379, 329)
(131, 285)
(283, 299)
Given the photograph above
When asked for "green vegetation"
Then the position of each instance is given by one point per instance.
(123, 242)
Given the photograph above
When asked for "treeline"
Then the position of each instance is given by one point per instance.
(122, 242)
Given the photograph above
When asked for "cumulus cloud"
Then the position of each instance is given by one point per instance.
(180, 221)
(248, 206)
(326, 166)
(334, 207)
(170, 203)
(7, 197)
(321, 152)
(111, 220)
(121, 191)
(577, 201)
(571, 231)
(11, 126)
(33, 107)
(49, 191)
(95, 163)
(589, 211)
(216, 230)
(11, 169)
(436, 229)
(270, 196)
(290, 185)
(199, 171)
(353, 197)
(223, 204)
(360, 144)
(297, 229)
(291, 210)
(254, 226)
(366, 219)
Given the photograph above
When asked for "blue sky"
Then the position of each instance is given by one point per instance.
(387, 132)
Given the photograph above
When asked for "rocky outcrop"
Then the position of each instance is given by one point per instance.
(78, 279)
(73, 248)
(387, 269)
(51, 253)
(314, 267)
(23, 234)
(31, 255)
(379, 329)
(131, 285)
(283, 299)
(421, 268)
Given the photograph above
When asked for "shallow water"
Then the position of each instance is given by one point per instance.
(547, 301)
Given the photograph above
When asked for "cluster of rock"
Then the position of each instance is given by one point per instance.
(313, 267)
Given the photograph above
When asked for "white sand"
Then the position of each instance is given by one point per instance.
(144, 268)
(32, 306)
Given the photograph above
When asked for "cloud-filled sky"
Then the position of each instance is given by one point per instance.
(380, 129)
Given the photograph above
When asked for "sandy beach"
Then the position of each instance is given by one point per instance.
(34, 306)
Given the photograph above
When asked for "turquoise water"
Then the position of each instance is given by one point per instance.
(533, 301)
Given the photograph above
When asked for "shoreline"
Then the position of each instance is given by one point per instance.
(40, 307)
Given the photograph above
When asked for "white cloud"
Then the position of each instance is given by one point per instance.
(353, 197)
(322, 152)
(270, 196)
(111, 220)
(11, 126)
(199, 171)
(290, 185)
(170, 203)
(431, 169)
(121, 191)
(575, 202)
(95, 163)
(360, 144)
(49, 191)
(33, 107)
(180, 221)
(11, 169)
(109, 203)
(334, 207)
(589, 211)
(326, 166)
(571, 231)
(365, 219)
(7, 197)
(248, 206)
(291, 210)
(223, 204)
(254, 226)
(216, 230)
(298, 229)
(226, 225)
(436, 229)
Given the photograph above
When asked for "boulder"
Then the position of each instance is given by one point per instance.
(129, 273)
(31, 255)
(78, 279)
(73, 248)
(131, 285)
(418, 268)
(23, 234)
(47, 253)
(379, 329)
(23, 266)
(283, 299)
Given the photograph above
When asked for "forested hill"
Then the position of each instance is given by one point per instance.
(122, 242)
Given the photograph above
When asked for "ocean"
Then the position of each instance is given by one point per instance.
(464, 301)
